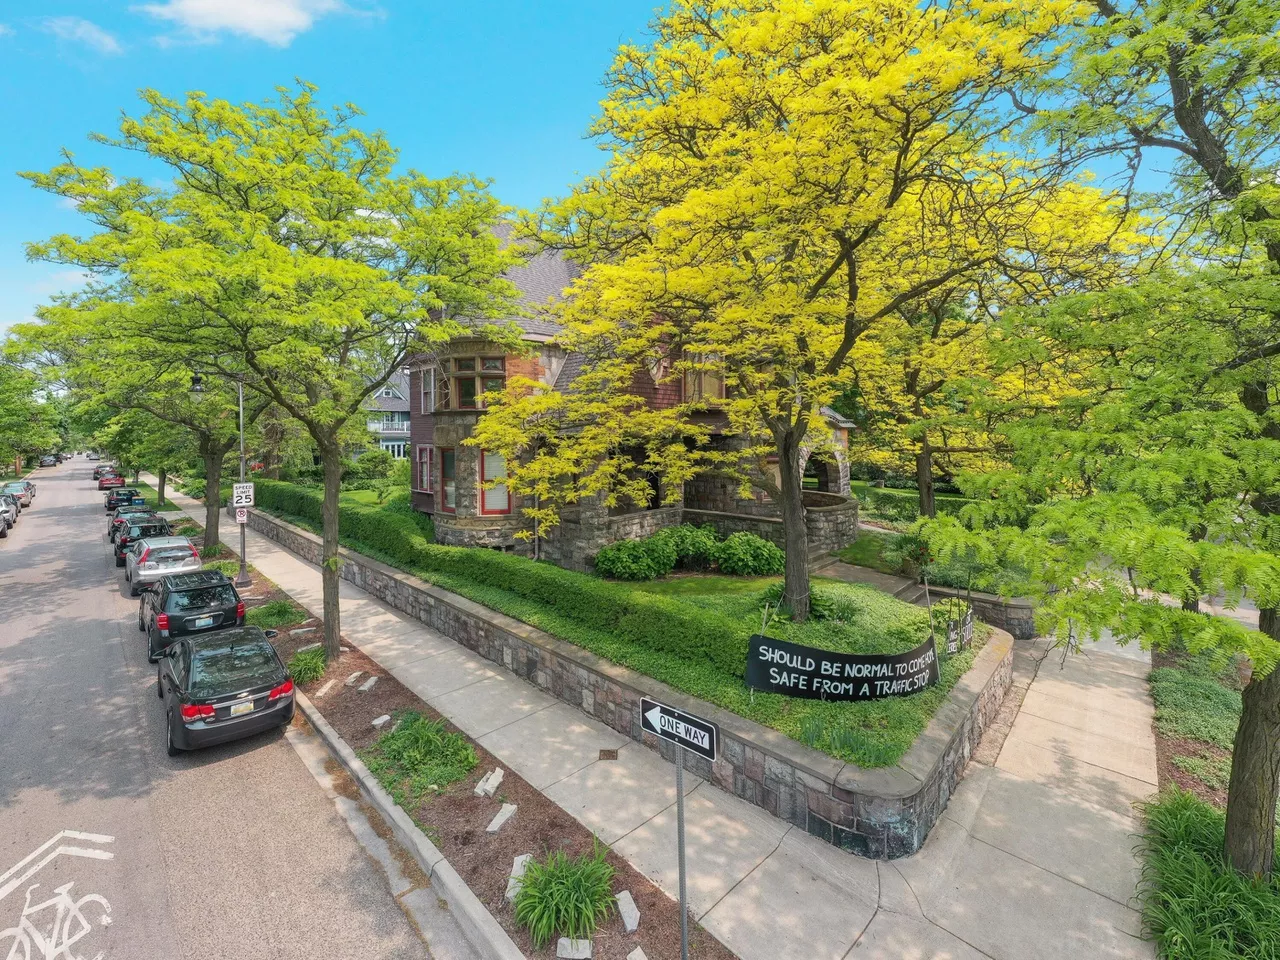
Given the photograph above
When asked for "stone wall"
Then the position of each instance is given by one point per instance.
(831, 526)
(882, 813)
(1016, 616)
(575, 541)
(466, 525)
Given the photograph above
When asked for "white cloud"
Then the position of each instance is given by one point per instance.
(275, 22)
(82, 31)
(5, 30)
(59, 281)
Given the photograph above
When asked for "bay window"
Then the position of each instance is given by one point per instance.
(494, 499)
(448, 479)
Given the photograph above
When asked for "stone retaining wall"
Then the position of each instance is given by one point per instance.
(882, 813)
(1016, 616)
(831, 526)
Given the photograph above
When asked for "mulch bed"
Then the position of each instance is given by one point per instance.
(455, 819)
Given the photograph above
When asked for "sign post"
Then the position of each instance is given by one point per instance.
(687, 732)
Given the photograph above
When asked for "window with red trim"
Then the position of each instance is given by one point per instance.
(496, 499)
(448, 479)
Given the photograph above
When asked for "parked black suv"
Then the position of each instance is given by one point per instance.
(139, 528)
(187, 603)
(120, 496)
(121, 515)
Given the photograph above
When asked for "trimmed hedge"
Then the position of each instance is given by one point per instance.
(689, 547)
(657, 623)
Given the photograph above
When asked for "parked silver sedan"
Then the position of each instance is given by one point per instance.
(24, 490)
(148, 560)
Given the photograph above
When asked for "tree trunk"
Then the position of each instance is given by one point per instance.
(160, 479)
(331, 463)
(212, 495)
(924, 477)
(1255, 771)
(795, 593)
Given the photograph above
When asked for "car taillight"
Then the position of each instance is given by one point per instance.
(284, 690)
(191, 712)
(162, 622)
(240, 610)
(145, 553)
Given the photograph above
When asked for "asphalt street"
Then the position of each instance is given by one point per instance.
(110, 848)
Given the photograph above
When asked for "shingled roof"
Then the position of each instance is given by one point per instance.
(542, 278)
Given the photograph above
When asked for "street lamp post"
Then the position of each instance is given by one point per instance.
(197, 389)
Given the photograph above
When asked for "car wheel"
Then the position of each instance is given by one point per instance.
(159, 685)
(133, 588)
(168, 735)
(141, 626)
(119, 561)
(4, 531)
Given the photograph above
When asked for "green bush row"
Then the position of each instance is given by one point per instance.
(658, 623)
(688, 547)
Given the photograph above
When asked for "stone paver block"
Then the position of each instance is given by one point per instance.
(328, 685)
(351, 680)
(489, 783)
(637, 954)
(299, 632)
(613, 798)
(568, 949)
(552, 744)
(628, 911)
(492, 703)
(382, 721)
(502, 816)
(310, 646)
(517, 874)
(368, 684)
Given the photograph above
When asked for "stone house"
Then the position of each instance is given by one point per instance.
(449, 477)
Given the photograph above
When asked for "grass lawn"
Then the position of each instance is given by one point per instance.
(687, 631)
(149, 494)
(868, 551)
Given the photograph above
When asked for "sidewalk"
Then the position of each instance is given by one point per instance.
(1031, 860)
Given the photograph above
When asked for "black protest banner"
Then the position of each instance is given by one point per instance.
(778, 666)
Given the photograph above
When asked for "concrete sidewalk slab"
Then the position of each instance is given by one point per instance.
(613, 797)
(443, 673)
(1134, 728)
(1121, 756)
(569, 741)
(897, 937)
(483, 707)
(1073, 778)
(726, 840)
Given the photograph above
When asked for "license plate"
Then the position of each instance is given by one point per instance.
(241, 708)
(203, 622)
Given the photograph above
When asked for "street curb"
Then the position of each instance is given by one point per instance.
(484, 932)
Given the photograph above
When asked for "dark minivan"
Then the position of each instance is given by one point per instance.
(187, 603)
(139, 528)
(222, 686)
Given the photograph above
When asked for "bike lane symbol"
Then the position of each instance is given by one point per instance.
(52, 938)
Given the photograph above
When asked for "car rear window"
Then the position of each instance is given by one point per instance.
(219, 670)
(147, 530)
(170, 554)
(217, 595)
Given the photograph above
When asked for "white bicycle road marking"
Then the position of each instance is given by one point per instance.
(9, 882)
(52, 939)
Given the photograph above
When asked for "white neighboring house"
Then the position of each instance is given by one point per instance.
(388, 415)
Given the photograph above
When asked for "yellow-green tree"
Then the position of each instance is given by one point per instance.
(783, 177)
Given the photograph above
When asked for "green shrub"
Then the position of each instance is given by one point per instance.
(694, 546)
(894, 507)
(228, 567)
(636, 559)
(371, 465)
(1194, 905)
(746, 555)
(1193, 705)
(307, 666)
(194, 489)
(274, 614)
(418, 754)
(822, 605)
(563, 896)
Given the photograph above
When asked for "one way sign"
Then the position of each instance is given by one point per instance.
(693, 733)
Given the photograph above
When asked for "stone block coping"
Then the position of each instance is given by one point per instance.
(882, 813)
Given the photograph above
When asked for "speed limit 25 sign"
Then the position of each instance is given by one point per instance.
(242, 495)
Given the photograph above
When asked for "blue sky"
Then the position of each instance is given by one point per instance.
(501, 88)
